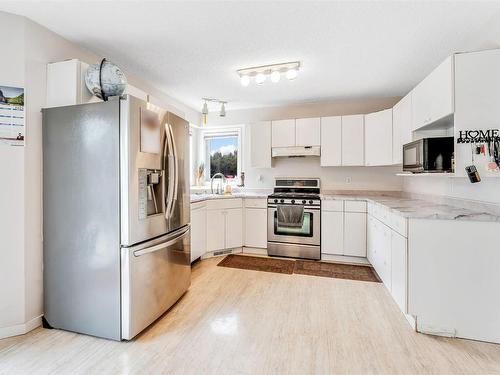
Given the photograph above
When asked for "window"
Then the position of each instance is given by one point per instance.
(222, 153)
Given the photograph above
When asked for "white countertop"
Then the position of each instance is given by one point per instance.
(419, 208)
(407, 207)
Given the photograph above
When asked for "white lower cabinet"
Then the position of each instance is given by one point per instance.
(234, 228)
(332, 236)
(198, 231)
(216, 230)
(355, 234)
(256, 227)
(398, 270)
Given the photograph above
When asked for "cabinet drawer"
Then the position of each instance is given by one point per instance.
(355, 206)
(256, 202)
(332, 205)
(221, 204)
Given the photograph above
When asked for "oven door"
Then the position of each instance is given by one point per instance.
(413, 156)
(308, 234)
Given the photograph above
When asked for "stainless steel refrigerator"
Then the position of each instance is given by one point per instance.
(116, 225)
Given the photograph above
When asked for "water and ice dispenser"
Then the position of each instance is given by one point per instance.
(150, 192)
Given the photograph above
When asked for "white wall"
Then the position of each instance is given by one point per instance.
(488, 190)
(332, 178)
(25, 55)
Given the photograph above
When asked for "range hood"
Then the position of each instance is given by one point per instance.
(296, 151)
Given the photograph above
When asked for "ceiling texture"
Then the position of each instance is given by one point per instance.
(348, 50)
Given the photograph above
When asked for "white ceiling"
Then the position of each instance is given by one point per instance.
(347, 49)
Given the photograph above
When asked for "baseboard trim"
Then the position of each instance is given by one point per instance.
(21, 329)
(254, 250)
(344, 259)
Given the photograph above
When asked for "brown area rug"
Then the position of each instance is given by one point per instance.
(336, 270)
(258, 263)
(302, 267)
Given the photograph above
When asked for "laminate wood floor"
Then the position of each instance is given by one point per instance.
(235, 321)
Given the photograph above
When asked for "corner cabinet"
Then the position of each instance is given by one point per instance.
(401, 127)
(198, 230)
(378, 138)
(260, 144)
(433, 98)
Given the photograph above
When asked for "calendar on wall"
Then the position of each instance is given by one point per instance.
(12, 116)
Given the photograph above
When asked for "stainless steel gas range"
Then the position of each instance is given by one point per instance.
(294, 218)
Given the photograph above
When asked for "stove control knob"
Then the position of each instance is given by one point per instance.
(304, 202)
(282, 201)
(311, 202)
(275, 201)
(293, 201)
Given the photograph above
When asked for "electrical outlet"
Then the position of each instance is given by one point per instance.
(348, 180)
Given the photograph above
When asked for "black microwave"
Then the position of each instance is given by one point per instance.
(429, 155)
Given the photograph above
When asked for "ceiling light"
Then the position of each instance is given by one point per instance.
(260, 78)
(222, 110)
(245, 80)
(204, 110)
(274, 71)
(291, 74)
(275, 76)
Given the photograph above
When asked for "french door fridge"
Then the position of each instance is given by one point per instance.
(116, 216)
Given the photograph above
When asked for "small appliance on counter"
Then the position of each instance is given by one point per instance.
(429, 155)
(116, 218)
(294, 218)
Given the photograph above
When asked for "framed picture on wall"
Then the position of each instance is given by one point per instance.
(12, 116)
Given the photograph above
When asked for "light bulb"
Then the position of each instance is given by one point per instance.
(222, 110)
(204, 110)
(260, 78)
(275, 76)
(291, 74)
(245, 80)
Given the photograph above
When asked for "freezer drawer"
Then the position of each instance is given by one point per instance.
(154, 276)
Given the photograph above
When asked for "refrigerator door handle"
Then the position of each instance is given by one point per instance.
(168, 157)
(176, 171)
(176, 236)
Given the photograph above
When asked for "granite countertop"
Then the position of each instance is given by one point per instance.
(419, 208)
(207, 196)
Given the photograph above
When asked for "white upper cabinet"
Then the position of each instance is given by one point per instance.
(378, 138)
(353, 140)
(260, 144)
(308, 131)
(331, 141)
(283, 133)
(401, 128)
(433, 97)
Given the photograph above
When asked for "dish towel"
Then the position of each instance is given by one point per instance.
(290, 216)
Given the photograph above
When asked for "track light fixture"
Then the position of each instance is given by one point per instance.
(204, 109)
(274, 71)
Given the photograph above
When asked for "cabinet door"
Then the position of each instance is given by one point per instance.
(433, 97)
(370, 239)
(256, 227)
(216, 229)
(308, 132)
(283, 133)
(260, 144)
(234, 228)
(332, 232)
(353, 140)
(401, 128)
(378, 138)
(331, 141)
(355, 234)
(398, 270)
(198, 233)
(384, 251)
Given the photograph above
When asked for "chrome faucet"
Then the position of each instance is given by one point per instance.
(219, 187)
